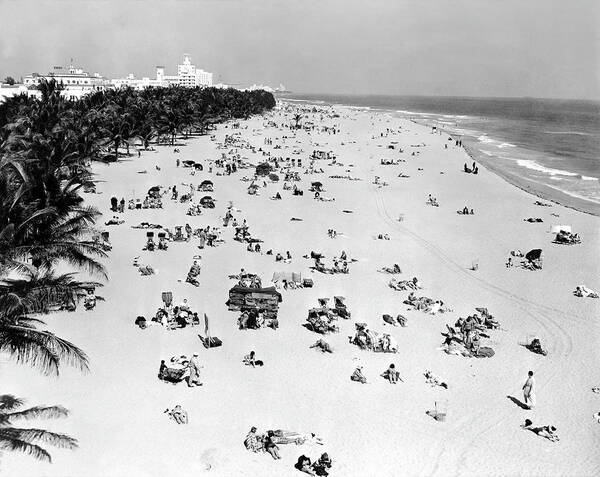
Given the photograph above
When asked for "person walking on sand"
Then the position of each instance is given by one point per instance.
(528, 392)
(194, 366)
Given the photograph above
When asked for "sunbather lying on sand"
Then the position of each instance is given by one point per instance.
(114, 221)
(434, 380)
(322, 346)
(403, 285)
(178, 414)
(146, 225)
(391, 270)
(548, 432)
(583, 291)
(399, 320)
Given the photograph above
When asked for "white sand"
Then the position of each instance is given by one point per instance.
(369, 430)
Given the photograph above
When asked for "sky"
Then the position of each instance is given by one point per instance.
(536, 48)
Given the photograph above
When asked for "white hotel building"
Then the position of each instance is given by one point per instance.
(187, 75)
(78, 83)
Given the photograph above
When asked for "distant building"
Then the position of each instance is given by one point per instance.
(187, 76)
(76, 81)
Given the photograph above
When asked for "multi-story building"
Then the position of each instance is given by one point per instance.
(76, 81)
(187, 76)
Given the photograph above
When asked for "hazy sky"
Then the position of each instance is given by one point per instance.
(545, 48)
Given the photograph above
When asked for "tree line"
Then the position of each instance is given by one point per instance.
(47, 145)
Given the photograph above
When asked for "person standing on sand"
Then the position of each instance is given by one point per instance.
(528, 391)
(194, 367)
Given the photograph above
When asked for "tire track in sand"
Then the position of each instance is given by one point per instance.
(539, 313)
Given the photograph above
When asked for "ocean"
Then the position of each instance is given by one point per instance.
(551, 142)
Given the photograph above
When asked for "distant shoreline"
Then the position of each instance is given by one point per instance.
(536, 189)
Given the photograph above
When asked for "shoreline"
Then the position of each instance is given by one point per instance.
(536, 189)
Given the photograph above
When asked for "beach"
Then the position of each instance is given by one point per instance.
(117, 409)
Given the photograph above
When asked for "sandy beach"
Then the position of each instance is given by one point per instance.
(375, 429)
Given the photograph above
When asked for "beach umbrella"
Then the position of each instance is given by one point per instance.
(206, 329)
(535, 254)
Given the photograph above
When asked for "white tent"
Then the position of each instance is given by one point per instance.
(557, 228)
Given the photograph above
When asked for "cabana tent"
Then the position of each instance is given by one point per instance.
(208, 202)
(206, 186)
(557, 228)
(316, 187)
(289, 277)
(263, 169)
(262, 300)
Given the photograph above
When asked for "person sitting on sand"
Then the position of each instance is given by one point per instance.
(141, 322)
(250, 360)
(322, 465)
(536, 347)
(304, 465)
(389, 343)
(391, 374)
(278, 257)
(178, 414)
(270, 445)
(548, 432)
(251, 441)
(161, 370)
(358, 376)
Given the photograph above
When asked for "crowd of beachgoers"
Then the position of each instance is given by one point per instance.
(242, 202)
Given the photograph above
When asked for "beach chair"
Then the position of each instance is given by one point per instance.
(528, 338)
(167, 298)
(440, 410)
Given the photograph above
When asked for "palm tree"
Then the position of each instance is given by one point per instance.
(30, 441)
(297, 119)
(20, 338)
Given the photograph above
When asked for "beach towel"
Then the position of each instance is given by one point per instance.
(484, 352)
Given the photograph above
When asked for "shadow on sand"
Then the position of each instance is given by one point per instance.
(521, 404)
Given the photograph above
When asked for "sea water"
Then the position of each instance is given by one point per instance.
(547, 141)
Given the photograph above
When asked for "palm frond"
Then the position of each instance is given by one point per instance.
(40, 349)
(55, 439)
(15, 445)
(9, 402)
(39, 412)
